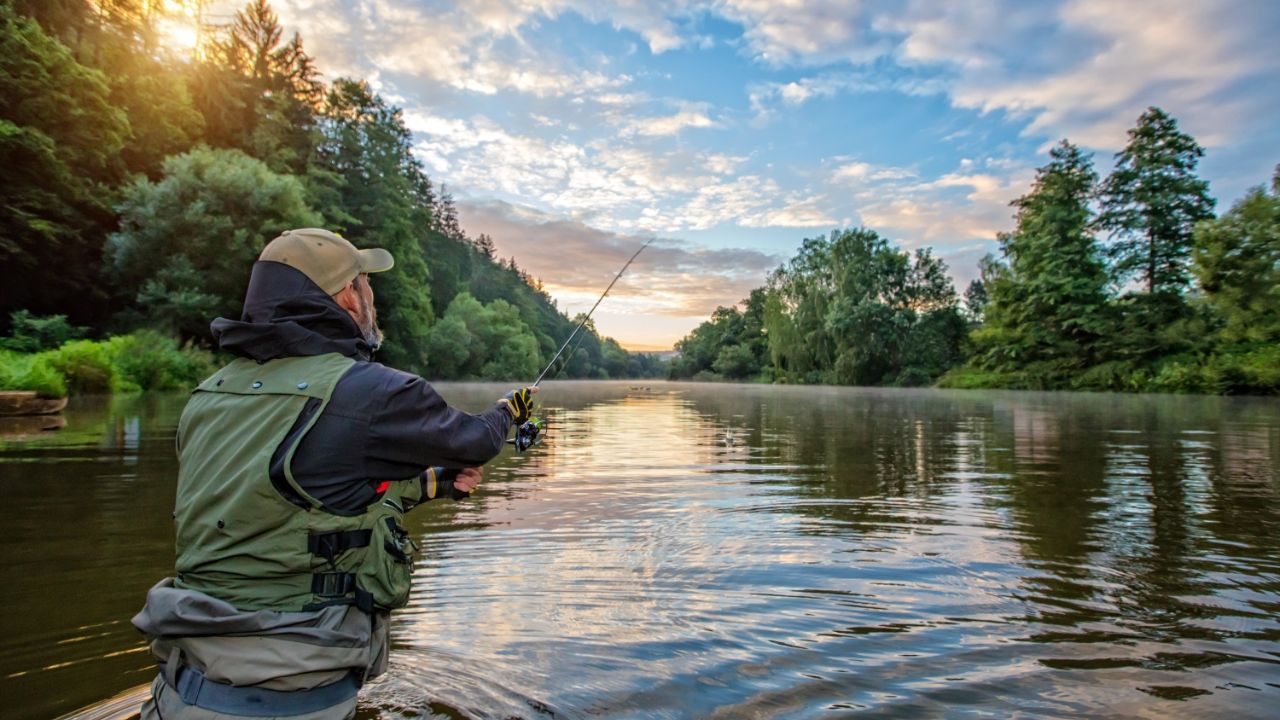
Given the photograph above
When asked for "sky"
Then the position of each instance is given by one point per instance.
(572, 131)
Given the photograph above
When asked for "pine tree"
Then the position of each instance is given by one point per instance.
(446, 216)
(1048, 302)
(1151, 202)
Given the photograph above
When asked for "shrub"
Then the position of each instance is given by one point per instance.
(1115, 376)
(86, 365)
(967, 377)
(148, 360)
(31, 333)
(1248, 371)
(31, 372)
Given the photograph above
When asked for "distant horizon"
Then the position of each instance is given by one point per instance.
(571, 132)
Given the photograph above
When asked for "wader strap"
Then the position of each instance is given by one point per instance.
(170, 667)
(330, 545)
(218, 697)
(333, 585)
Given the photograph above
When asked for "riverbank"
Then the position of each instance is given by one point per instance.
(1242, 370)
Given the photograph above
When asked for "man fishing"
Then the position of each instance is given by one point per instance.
(297, 462)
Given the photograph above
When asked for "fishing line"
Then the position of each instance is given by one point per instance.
(530, 433)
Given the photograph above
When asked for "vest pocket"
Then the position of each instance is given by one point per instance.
(386, 574)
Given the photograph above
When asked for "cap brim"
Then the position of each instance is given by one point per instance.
(376, 260)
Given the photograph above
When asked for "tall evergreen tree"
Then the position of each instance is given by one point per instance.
(1048, 302)
(259, 92)
(1151, 202)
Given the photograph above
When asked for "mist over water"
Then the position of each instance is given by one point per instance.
(687, 551)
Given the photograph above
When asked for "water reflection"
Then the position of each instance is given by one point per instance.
(731, 551)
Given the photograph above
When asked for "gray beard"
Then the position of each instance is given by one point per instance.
(369, 327)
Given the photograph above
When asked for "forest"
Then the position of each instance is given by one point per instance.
(141, 182)
(1124, 283)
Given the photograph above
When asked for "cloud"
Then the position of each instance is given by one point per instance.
(668, 124)
(1084, 69)
(955, 209)
(1087, 68)
(473, 47)
(863, 172)
(812, 33)
(676, 278)
(767, 99)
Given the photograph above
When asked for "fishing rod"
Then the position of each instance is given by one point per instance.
(530, 433)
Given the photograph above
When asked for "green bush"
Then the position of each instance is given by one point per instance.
(31, 372)
(86, 365)
(31, 333)
(1248, 371)
(967, 377)
(1114, 376)
(148, 360)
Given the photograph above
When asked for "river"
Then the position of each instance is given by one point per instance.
(689, 551)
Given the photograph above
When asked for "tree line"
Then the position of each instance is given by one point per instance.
(1123, 283)
(142, 182)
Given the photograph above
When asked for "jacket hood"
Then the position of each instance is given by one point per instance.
(287, 315)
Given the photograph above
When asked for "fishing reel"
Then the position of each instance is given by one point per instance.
(528, 434)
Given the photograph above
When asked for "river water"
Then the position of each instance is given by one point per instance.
(689, 551)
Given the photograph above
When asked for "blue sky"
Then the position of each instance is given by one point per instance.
(573, 130)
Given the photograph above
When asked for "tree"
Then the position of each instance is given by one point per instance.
(975, 300)
(1151, 202)
(187, 241)
(475, 340)
(261, 93)
(1048, 302)
(1237, 261)
(377, 195)
(60, 142)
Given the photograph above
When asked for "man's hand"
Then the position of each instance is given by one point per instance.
(459, 484)
(520, 402)
(468, 479)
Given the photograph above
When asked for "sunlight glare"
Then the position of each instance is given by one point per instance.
(178, 34)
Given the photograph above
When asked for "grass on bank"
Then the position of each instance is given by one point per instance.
(144, 360)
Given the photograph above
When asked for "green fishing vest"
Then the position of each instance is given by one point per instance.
(260, 542)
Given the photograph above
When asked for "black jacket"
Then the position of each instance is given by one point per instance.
(380, 424)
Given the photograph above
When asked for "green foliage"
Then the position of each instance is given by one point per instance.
(1151, 202)
(491, 342)
(87, 366)
(1237, 261)
(145, 360)
(1047, 303)
(29, 334)
(186, 242)
(847, 309)
(19, 371)
(60, 138)
(148, 360)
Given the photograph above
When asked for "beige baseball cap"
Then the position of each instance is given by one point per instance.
(327, 258)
